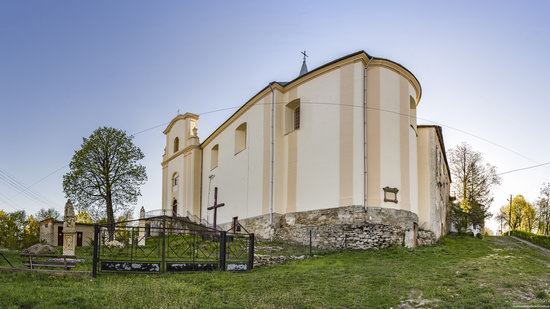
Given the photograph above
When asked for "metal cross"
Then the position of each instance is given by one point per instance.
(305, 55)
(215, 208)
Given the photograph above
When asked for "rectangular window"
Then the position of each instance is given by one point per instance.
(297, 118)
(292, 116)
(240, 138)
(214, 157)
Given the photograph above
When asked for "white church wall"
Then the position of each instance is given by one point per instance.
(390, 147)
(413, 151)
(317, 184)
(320, 165)
(238, 176)
(425, 178)
(358, 134)
(433, 182)
(391, 142)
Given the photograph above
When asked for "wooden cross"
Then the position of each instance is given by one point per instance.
(215, 208)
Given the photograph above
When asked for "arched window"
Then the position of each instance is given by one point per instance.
(176, 144)
(175, 179)
(240, 138)
(214, 157)
(175, 208)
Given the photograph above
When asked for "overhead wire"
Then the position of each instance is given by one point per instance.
(22, 189)
(524, 168)
(17, 185)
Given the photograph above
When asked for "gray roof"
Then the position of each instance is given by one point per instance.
(303, 70)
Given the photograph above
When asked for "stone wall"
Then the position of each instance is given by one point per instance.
(342, 227)
(425, 238)
(340, 236)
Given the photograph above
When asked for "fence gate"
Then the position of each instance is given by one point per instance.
(168, 244)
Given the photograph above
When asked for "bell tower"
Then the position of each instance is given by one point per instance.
(181, 167)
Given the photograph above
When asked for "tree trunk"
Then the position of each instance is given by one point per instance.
(110, 217)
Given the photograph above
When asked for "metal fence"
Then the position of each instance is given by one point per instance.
(169, 244)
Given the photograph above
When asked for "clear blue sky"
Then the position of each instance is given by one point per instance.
(68, 67)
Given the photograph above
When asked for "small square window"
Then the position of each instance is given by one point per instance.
(390, 194)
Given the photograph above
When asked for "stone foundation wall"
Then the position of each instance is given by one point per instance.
(340, 236)
(342, 227)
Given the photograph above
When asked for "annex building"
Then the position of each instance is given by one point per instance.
(336, 151)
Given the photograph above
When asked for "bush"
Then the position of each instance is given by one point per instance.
(541, 240)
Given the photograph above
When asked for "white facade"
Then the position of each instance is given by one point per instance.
(434, 180)
(333, 137)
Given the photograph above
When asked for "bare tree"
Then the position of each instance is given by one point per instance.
(473, 181)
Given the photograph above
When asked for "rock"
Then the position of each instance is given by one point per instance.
(39, 249)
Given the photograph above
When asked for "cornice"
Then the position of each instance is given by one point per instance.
(184, 151)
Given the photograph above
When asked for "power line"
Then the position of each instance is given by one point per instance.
(524, 168)
(396, 113)
(34, 195)
(151, 128)
(36, 182)
(26, 188)
(20, 187)
(4, 200)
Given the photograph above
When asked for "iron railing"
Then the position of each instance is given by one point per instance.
(169, 244)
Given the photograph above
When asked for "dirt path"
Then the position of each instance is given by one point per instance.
(544, 250)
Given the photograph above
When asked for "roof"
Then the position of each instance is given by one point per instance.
(61, 222)
(303, 70)
(284, 85)
(178, 117)
(439, 132)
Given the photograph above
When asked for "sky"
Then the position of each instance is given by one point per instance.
(68, 67)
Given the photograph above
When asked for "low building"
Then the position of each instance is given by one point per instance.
(51, 233)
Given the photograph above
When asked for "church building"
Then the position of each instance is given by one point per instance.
(337, 145)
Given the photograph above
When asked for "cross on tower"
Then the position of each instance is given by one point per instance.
(215, 208)
(305, 55)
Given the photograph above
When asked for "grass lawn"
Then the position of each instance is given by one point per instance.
(494, 272)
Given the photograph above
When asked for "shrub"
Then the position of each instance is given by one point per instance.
(541, 240)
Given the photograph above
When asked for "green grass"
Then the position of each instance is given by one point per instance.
(495, 272)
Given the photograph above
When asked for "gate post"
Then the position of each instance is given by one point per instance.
(95, 256)
(223, 242)
(250, 251)
(163, 262)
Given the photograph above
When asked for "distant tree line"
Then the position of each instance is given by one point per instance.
(19, 230)
(522, 215)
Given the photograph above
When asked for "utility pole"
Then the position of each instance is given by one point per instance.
(510, 216)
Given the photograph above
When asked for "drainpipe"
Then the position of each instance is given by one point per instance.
(365, 165)
(271, 153)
